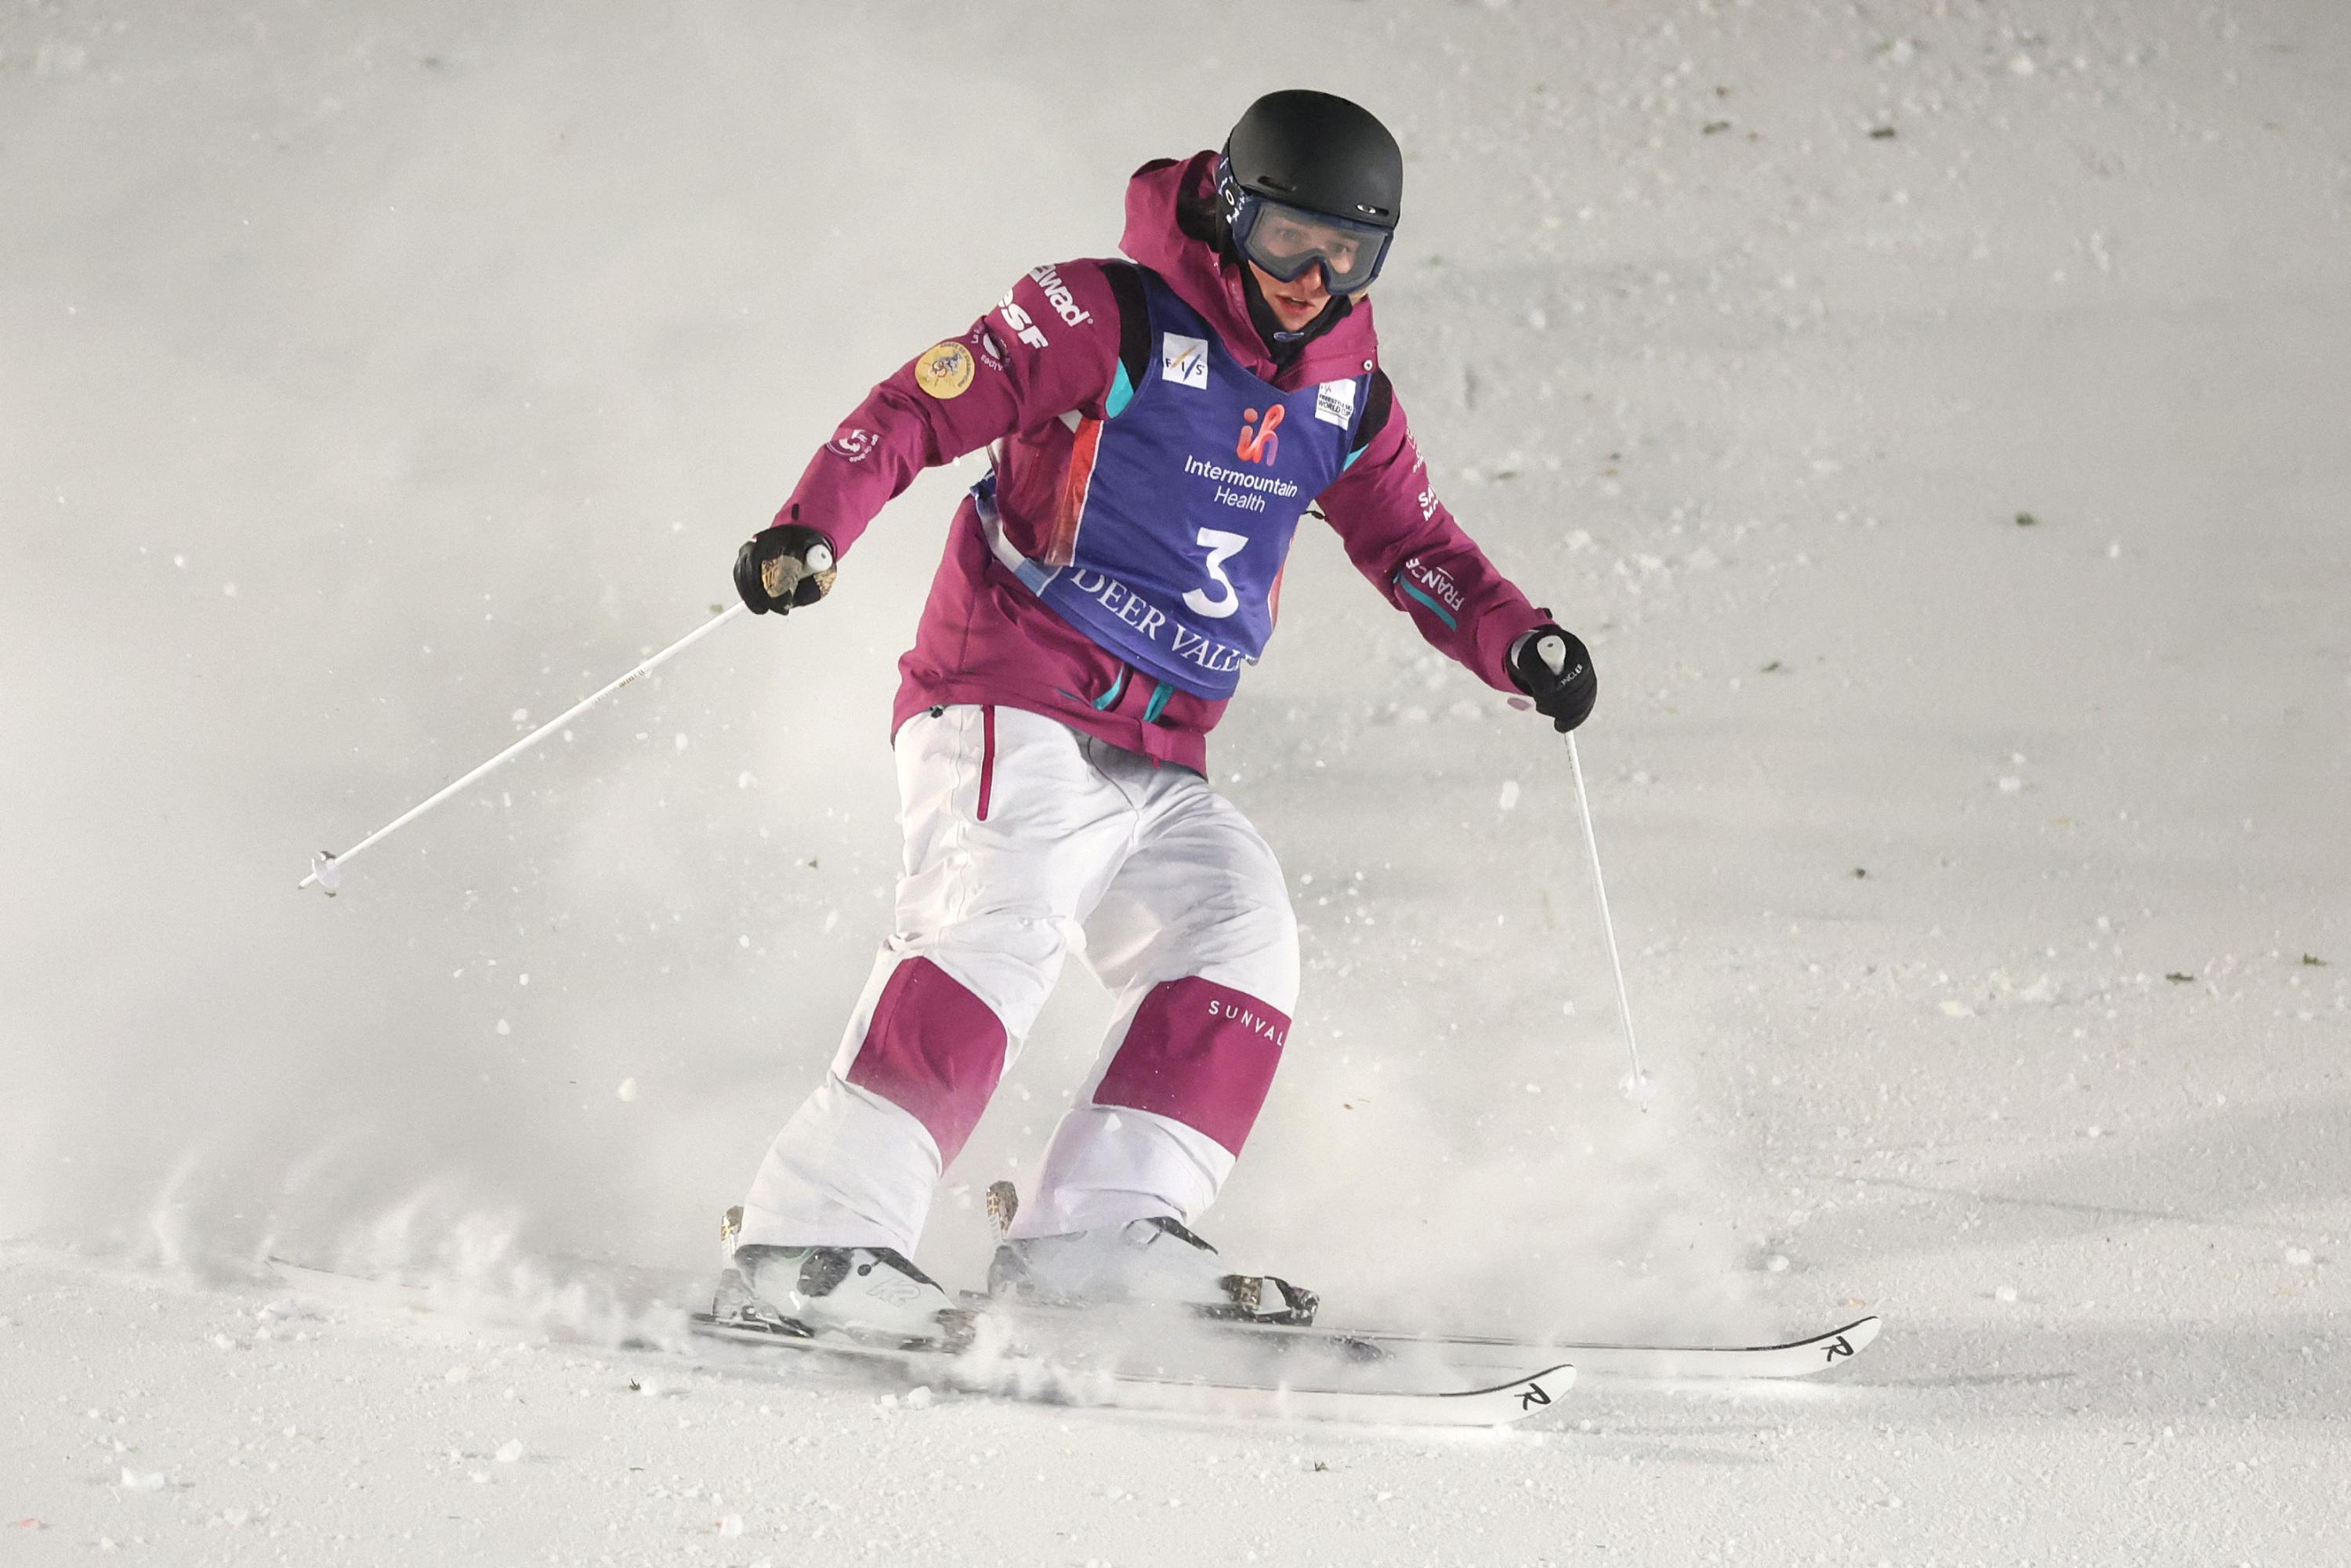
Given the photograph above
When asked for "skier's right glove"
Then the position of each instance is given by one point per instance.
(782, 566)
(1551, 665)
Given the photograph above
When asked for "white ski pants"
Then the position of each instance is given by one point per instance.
(1022, 834)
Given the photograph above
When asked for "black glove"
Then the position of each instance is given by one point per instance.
(1553, 665)
(784, 565)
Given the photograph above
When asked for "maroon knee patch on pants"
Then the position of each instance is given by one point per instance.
(1200, 1054)
(935, 1051)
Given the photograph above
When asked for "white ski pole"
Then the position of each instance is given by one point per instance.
(1640, 1087)
(326, 867)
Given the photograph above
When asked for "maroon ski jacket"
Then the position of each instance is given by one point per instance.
(1023, 382)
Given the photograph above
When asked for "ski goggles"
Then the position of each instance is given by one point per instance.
(1286, 241)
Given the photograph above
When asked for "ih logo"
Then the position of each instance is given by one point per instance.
(1259, 443)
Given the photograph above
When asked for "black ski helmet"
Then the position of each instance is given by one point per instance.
(1319, 152)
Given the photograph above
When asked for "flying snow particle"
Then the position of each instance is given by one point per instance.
(2300, 1257)
(732, 1525)
(1777, 1263)
(628, 1089)
(2005, 1293)
(1509, 793)
(142, 1481)
(510, 1451)
(683, 743)
(504, 1028)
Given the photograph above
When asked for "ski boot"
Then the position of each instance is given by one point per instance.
(872, 1294)
(1154, 1261)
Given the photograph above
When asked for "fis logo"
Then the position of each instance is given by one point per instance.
(1184, 361)
(1259, 443)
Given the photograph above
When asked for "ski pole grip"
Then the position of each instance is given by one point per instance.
(1553, 652)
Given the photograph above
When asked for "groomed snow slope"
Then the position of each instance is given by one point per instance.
(1932, 413)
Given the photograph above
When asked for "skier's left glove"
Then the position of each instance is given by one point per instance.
(1551, 665)
(782, 566)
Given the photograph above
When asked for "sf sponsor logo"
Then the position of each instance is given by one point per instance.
(1019, 321)
(855, 444)
(1258, 443)
(1058, 294)
(1184, 361)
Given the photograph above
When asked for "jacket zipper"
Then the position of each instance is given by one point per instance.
(986, 756)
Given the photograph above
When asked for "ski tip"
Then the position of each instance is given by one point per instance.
(1526, 1396)
(1553, 1379)
(1840, 1344)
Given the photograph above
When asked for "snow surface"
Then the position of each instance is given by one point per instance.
(1932, 413)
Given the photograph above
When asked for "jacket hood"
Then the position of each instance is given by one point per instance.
(1211, 283)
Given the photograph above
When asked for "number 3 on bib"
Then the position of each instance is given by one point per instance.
(1222, 548)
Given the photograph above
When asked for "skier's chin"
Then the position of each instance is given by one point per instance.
(1295, 314)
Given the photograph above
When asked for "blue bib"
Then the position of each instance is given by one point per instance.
(1193, 488)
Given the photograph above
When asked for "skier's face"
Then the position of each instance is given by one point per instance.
(1294, 303)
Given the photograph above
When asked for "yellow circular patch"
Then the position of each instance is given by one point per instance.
(945, 369)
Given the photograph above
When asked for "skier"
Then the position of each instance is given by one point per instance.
(1156, 427)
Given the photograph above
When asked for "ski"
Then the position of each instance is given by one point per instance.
(1649, 1363)
(1377, 1395)
(1662, 1362)
(1043, 1380)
